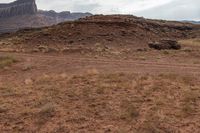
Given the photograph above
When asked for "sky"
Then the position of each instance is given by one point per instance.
(156, 9)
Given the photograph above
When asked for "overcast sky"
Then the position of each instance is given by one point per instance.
(159, 9)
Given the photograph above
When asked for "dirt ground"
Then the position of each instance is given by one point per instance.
(73, 93)
(98, 75)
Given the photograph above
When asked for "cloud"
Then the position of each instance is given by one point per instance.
(101, 6)
(176, 10)
(160, 9)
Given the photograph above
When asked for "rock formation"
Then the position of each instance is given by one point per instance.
(24, 14)
(17, 8)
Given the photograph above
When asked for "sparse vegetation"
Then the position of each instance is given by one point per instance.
(116, 97)
(191, 42)
(3, 109)
(129, 110)
(189, 102)
(7, 92)
(166, 52)
(46, 112)
(6, 61)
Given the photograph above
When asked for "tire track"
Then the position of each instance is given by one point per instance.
(103, 61)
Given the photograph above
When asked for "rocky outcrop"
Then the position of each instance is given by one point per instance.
(17, 8)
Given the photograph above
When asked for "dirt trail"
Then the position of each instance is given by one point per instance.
(63, 62)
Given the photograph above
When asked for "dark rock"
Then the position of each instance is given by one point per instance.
(70, 42)
(142, 50)
(165, 44)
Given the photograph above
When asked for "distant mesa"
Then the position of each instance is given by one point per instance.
(63, 16)
(19, 7)
(24, 14)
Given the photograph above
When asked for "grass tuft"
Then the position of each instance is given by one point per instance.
(129, 111)
(46, 113)
(7, 61)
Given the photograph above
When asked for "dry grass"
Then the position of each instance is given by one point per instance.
(121, 102)
(189, 103)
(46, 112)
(191, 42)
(7, 61)
(129, 110)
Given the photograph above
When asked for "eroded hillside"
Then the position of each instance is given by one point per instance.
(107, 30)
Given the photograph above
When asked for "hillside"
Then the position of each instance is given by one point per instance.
(115, 30)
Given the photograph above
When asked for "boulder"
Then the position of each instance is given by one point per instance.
(165, 44)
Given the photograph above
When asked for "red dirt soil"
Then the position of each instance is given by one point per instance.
(98, 75)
